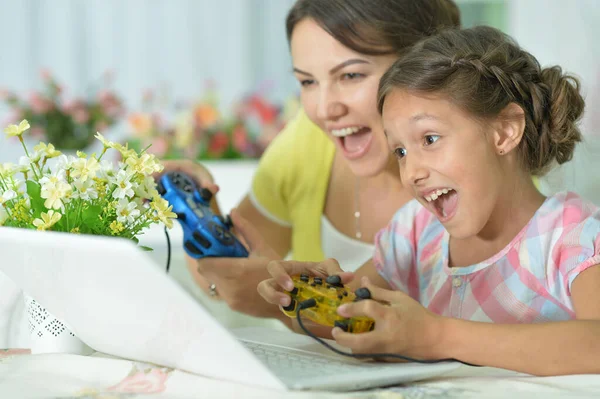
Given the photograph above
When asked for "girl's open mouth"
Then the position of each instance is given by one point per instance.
(443, 202)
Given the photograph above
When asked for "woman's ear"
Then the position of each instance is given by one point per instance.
(509, 128)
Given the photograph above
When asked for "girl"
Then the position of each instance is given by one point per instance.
(480, 267)
(327, 183)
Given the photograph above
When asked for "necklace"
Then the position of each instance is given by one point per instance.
(358, 234)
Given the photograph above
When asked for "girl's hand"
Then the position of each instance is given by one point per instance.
(402, 326)
(274, 289)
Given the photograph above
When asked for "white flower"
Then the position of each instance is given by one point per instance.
(7, 196)
(147, 189)
(84, 190)
(55, 194)
(47, 220)
(126, 211)
(85, 168)
(106, 169)
(124, 185)
(27, 161)
(65, 162)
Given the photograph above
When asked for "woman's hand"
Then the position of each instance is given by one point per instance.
(274, 289)
(235, 279)
(196, 171)
(402, 325)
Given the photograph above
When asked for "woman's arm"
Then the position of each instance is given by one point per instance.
(278, 237)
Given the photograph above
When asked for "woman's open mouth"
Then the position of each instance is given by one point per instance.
(443, 202)
(354, 141)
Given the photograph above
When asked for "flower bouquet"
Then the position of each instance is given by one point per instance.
(201, 132)
(80, 195)
(69, 124)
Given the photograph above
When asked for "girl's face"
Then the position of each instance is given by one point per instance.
(338, 93)
(448, 160)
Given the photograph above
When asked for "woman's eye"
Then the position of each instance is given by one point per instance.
(352, 75)
(400, 153)
(306, 82)
(431, 138)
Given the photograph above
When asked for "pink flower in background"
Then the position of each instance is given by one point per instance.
(240, 139)
(160, 146)
(100, 126)
(37, 132)
(39, 104)
(218, 144)
(81, 116)
(142, 382)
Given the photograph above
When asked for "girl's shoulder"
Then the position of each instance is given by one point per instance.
(565, 211)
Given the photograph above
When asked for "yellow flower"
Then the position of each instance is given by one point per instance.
(47, 150)
(116, 227)
(47, 220)
(163, 211)
(14, 130)
(105, 143)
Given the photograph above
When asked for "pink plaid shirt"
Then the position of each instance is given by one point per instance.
(528, 281)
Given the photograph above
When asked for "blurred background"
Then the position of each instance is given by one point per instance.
(211, 80)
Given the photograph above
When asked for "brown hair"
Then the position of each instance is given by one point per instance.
(376, 27)
(482, 70)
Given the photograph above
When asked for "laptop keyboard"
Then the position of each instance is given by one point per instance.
(288, 364)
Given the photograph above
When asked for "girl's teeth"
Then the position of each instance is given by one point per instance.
(437, 194)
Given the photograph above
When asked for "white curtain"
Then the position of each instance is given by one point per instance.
(170, 45)
(566, 33)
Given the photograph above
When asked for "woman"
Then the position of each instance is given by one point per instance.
(328, 182)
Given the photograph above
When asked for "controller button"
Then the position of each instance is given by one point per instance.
(291, 306)
(192, 248)
(294, 291)
(181, 216)
(362, 293)
(201, 239)
(343, 324)
(304, 277)
(340, 296)
(335, 281)
(318, 280)
(205, 194)
(188, 188)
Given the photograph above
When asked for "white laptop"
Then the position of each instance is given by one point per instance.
(119, 302)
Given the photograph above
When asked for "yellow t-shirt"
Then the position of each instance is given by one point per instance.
(290, 184)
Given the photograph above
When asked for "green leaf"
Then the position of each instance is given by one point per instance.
(147, 249)
(34, 191)
(91, 217)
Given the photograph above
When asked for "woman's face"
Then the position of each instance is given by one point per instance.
(339, 93)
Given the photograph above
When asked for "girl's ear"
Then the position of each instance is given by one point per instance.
(509, 127)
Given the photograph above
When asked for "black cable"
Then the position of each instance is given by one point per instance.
(168, 249)
(309, 303)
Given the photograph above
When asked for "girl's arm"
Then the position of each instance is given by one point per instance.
(552, 348)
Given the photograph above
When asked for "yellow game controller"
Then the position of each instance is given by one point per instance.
(324, 298)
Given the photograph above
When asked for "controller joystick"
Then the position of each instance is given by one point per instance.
(204, 233)
(362, 293)
(326, 298)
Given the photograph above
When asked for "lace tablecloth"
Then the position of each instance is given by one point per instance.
(23, 375)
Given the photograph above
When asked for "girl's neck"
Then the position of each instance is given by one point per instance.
(514, 209)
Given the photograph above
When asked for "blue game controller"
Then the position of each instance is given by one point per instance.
(204, 233)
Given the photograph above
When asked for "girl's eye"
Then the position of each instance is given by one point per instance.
(352, 76)
(306, 82)
(400, 153)
(431, 138)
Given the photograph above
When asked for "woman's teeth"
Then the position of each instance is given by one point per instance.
(345, 131)
(437, 194)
